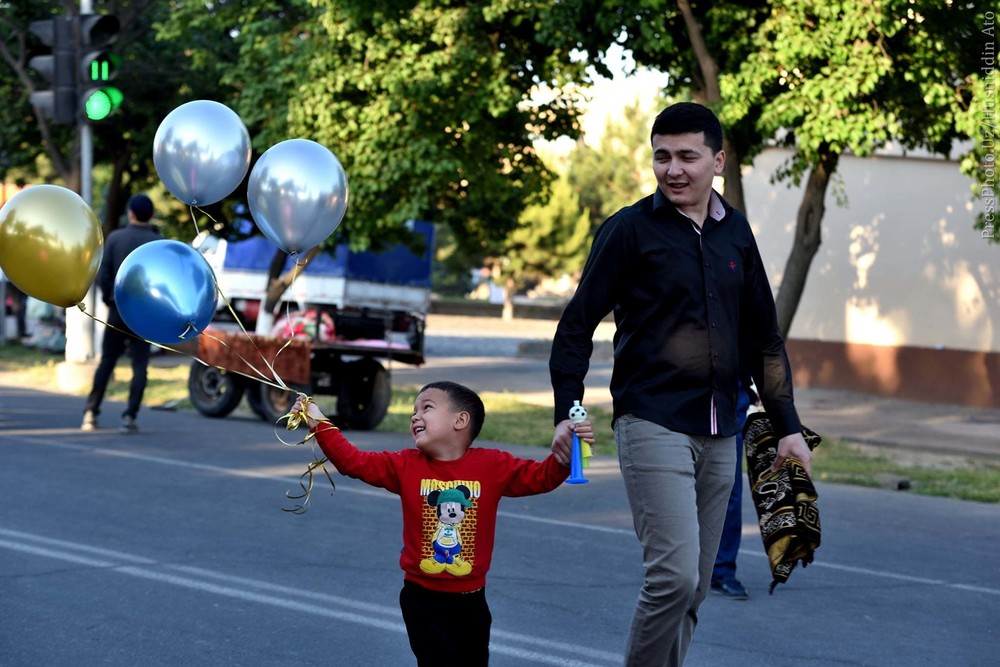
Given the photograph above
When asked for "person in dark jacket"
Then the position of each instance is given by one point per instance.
(681, 272)
(118, 337)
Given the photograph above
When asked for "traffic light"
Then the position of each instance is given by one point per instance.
(57, 68)
(98, 66)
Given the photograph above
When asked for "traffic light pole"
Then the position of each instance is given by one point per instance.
(80, 346)
(80, 330)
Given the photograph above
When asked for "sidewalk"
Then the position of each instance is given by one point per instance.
(908, 426)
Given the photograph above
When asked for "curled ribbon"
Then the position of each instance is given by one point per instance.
(297, 417)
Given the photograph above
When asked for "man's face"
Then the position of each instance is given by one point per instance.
(684, 166)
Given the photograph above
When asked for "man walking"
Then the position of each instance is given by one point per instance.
(681, 271)
(118, 337)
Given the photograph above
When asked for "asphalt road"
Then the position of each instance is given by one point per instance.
(170, 548)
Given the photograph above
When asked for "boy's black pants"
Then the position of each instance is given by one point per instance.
(446, 628)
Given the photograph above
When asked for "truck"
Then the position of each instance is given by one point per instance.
(339, 320)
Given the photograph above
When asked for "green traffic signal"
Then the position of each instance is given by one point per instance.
(97, 66)
(102, 102)
(103, 67)
(99, 103)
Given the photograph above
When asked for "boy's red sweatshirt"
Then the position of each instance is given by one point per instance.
(449, 507)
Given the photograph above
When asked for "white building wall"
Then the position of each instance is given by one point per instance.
(899, 265)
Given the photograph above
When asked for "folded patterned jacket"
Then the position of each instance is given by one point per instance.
(785, 499)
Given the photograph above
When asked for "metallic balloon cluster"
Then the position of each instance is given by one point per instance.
(51, 243)
(297, 194)
(297, 189)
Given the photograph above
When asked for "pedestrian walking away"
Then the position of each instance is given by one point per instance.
(118, 337)
(681, 272)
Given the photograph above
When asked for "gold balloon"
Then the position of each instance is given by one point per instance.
(51, 244)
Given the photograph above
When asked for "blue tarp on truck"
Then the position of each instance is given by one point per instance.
(395, 265)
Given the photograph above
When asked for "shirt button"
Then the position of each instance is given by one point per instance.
(714, 325)
(715, 355)
(709, 295)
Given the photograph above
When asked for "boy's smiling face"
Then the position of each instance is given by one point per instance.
(436, 428)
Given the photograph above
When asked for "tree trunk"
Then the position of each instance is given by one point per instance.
(507, 314)
(733, 190)
(116, 200)
(808, 228)
(277, 282)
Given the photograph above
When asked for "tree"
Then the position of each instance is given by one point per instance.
(617, 172)
(980, 122)
(821, 77)
(153, 78)
(24, 132)
(430, 105)
(693, 43)
(551, 239)
(851, 77)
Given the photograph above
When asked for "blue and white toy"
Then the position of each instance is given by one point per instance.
(577, 414)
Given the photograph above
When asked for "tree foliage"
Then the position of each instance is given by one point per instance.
(433, 105)
(829, 78)
(820, 77)
(617, 171)
(154, 78)
(551, 239)
(429, 105)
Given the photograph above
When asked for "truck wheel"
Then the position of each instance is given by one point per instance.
(270, 403)
(214, 392)
(365, 399)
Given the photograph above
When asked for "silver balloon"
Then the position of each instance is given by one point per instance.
(297, 194)
(202, 152)
(166, 292)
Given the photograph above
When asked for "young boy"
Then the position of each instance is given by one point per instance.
(449, 492)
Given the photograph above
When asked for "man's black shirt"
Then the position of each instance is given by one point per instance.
(689, 307)
(119, 245)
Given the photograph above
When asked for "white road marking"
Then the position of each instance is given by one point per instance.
(232, 472)
(284, 597)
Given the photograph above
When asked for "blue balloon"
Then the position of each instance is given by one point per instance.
(166, 292)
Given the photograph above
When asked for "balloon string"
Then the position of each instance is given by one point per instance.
(191, 209)
(128, 332)
(294, 419)
(270, 366)
(194, 218)
(288, 313)
(277, 383)
(288, 320)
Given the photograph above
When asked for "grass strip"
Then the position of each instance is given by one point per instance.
(510, 420)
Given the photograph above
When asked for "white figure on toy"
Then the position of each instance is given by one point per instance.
(577, 413)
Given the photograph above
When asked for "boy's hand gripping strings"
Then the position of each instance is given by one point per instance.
(297, 416)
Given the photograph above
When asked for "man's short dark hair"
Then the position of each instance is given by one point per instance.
(141, 207)
(462, 399)
(688, 117)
